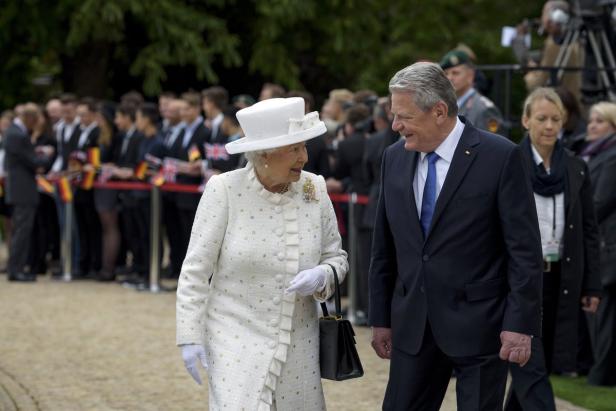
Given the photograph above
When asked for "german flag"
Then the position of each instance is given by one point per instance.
(44, 185)
(87, 179)
(140, 170)
(66, 193)
(193, 153)
(94, 157)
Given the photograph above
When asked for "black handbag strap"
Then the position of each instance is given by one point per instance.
(336, 296)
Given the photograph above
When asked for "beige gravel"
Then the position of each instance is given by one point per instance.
(91, 346)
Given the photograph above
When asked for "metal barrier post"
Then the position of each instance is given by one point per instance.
(155, 199)
(67, 243)
(352, 278)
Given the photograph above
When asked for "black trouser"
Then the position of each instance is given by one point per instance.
(530, 385)
(45, 235)
(135, 221)
(418, 382)
(90, 232)
(187, 217)
(23, 221)
(171, 217)
(604, 328)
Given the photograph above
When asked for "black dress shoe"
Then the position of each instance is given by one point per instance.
(22, 277)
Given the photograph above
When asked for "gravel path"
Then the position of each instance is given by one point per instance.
(91, 346)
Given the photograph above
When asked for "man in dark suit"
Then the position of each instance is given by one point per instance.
(128, 158)
(189, 170)
(455, 277)
(88, 222)
(22, 165)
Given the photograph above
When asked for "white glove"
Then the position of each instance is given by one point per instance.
(309, 281)
(191, 353)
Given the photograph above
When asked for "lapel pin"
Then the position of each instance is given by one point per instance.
(467, 152)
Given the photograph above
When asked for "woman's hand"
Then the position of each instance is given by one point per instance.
(309, 281)
(192, 354)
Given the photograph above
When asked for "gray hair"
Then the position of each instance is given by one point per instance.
(427, 84)
(256, 157)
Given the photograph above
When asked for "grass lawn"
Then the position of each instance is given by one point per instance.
(578, 392)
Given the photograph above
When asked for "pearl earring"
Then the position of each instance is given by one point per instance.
(266, 165)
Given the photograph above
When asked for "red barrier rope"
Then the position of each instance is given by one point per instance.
(185, 188)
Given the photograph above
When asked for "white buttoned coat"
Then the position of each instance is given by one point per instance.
(247, 243)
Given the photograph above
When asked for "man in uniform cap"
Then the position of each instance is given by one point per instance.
(479, 110)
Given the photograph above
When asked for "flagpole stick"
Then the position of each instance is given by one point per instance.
(154, 239)
(67, 242)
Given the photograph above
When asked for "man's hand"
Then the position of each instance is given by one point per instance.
(515, 347)
(590, 304)
(381, 342)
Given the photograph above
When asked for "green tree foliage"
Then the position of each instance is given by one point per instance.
(85, 45)
(86, 40)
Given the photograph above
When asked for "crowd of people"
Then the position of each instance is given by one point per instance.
(571, 159)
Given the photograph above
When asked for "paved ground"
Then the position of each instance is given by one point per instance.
(91, 346)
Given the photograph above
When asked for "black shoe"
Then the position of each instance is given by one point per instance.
(104, 276)
(22, 277)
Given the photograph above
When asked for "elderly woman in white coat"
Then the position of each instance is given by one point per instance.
(264, 247)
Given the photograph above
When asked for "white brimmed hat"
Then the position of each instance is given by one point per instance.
(274, 123)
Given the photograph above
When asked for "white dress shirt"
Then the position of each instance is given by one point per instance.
(445, 153)
(190, 130)
(85, 132)
(216, 122)
(551, 218)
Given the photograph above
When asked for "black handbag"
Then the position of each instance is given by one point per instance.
(338, 356)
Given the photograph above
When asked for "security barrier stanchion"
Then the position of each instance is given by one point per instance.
(352, 277)
(67, 242)
(154, 239)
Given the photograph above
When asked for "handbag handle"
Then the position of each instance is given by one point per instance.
(338, 312)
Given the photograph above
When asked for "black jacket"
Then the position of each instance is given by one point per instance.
(602, 169)
(580, 263)
(21, 163)
(478, 271)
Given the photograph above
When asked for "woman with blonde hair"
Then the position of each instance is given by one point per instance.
(264, 247)
(569, 240)
(600, 155)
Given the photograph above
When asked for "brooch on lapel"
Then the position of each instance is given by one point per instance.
(310, 193)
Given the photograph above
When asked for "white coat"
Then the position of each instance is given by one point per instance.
(247, 243)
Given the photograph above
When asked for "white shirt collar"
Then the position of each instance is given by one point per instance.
(537, 158)
(447, 148)
(217, 120)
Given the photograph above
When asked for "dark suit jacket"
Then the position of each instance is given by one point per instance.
(373, 155)
(602, 168)
(188, 201)
(579, 274)
(479, 270)
(65, 148)
(91, 140)
(318, 157)
(21, 163)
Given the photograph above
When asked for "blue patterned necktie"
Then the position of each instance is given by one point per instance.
(428, 200)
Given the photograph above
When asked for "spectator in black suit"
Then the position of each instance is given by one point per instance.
(215, 100)
(189, 172)
(164, 100)
(128, 158)
(349, 178)
(88, 223)
(151, 145)
(46, 232)
(22, 164)
(67, 136)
